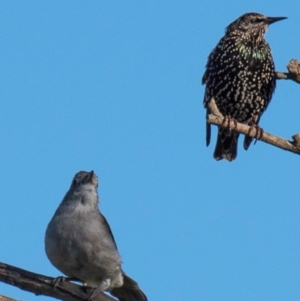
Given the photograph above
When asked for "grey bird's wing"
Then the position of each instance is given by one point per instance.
(107, 229)
(130, 291)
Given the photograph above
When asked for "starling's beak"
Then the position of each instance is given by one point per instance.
(271, 20)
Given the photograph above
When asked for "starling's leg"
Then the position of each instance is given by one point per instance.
(259, 130)
(105, 284)
(229, 119)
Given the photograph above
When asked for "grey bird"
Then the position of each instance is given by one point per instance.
(80, 243)
(240, 76)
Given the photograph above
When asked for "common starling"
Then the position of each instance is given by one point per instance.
(240, 76)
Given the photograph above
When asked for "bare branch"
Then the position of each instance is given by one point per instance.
(215, 117)
(43, 285)
(4, 298)
(293, 71)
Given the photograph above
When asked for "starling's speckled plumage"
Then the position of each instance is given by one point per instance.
(240, 76)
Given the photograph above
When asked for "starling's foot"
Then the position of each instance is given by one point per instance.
(229, 119)
(100, 289)
(259, 130)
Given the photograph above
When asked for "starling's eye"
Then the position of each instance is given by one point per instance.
(74, 182)
(253, 20)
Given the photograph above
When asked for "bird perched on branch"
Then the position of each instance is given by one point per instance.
(240, 77)
(79, 242)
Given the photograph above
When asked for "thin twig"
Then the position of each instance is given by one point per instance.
(215, 117)
(293, 71)
(43, 285)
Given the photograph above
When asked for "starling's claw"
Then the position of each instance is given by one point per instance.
(259, 131)
(229, 120)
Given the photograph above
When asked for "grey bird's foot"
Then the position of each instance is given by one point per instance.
(56, 281)
(100, 289)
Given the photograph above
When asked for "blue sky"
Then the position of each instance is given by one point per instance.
(115, 86)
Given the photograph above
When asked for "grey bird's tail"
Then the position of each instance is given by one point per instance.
(226, 147)
(129, 291)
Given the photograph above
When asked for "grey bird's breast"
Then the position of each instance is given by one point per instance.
(78, 244)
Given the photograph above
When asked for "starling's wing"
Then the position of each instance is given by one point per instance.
(130, 291)
(208, 126)
(106, 227)
(208, 132)
(204, 78)
(222, 69)
(206, 74)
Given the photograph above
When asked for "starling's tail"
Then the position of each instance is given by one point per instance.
(129, 291)
(226, 147)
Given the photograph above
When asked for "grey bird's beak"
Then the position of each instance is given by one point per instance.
(89, 176)
(271, 20)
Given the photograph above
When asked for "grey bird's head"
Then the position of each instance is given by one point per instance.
(84, 178)
(83, 188)
(252, 24)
